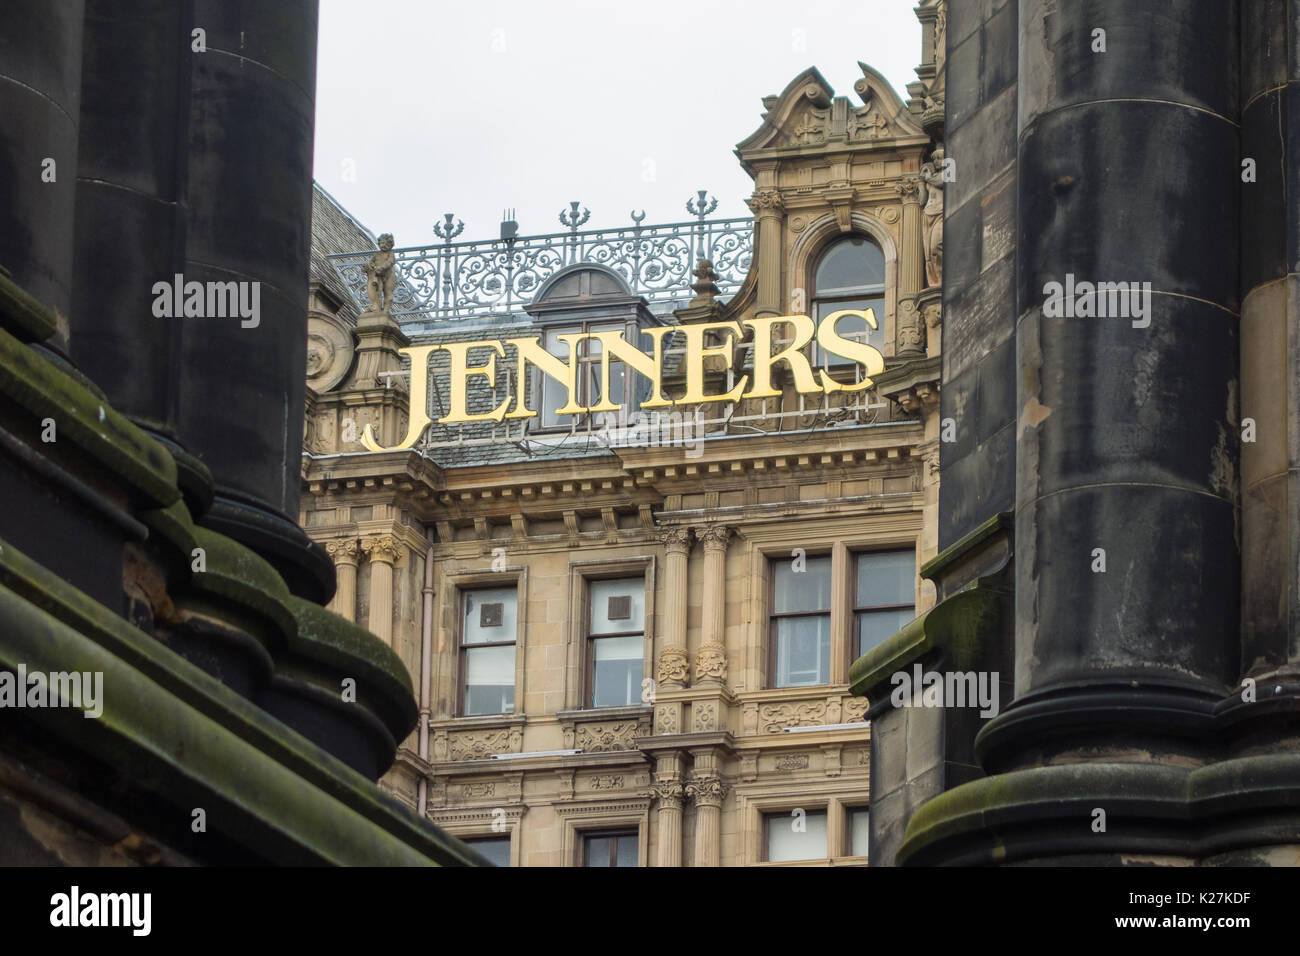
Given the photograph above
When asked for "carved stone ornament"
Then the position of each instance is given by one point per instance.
(765, 200)
(855, 709)
(909, 190)
(711, 662)
(707, 791)
(911, 328)
(705, 714)
(714, 537)
(606, 736)
(479, 744)
(330, 346)
(673, 667)
(669, 793)
(773, 717)
(666, 720)
(344, 550)
(787, 763)
(383, 548)
(674, 537)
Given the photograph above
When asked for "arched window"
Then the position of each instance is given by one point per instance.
(850, 275)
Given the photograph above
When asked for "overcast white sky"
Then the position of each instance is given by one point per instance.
(424, 108)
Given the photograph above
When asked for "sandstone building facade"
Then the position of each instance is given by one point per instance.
(630, 634)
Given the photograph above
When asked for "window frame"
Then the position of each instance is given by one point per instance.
(848, 811)
(773, 616)
(589, 648)
(578, 683)
(597, 832)
(509, 838)
(584, 421)
(462, 648)
(845, 296)
(855, 649)
(777, 800)
(764, 848)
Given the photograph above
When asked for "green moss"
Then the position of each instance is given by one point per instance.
(87, 423)
(1069, 791)
(333, 648)
(964, 625)
(173, 525)
(165, 714)
(932, 568)
(235, 573)
(22, 314)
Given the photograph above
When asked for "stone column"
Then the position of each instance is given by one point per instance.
(668, 790)
(382, 551)
(711, 661)
(131, 213)
(1126, 445)
(770, 212)
(672, 666)
(910, 333)
(707, 789)
(345, 555)
(243, 379)
(1126, 556)
(40, 85)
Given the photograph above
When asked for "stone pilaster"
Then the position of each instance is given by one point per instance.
(668, 790)
(672, 662)
(382, 551)
(911, 266)
(707, 789)
(711, 661)
(345, 554)
(769, 211)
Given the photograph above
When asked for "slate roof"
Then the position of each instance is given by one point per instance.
(335, 230)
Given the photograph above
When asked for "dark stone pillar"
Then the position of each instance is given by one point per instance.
(131, 213)
(1127, 435)
(40, 83)
(977, 451)
(250, 158)
(1270, 364)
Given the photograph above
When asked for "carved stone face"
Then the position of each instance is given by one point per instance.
(386, 242)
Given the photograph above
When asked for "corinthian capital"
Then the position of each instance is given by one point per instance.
(675, 537)
(714, 537)
(707, 791)
(669, 793)
(765, 200)
(909, 190)
(382, 548)
(343, 550)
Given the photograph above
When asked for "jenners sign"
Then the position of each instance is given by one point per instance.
(614, 348)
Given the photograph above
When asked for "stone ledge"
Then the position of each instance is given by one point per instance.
(165, 722)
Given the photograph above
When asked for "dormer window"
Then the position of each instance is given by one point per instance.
(582, 300)
(552, 393)
(850, 274)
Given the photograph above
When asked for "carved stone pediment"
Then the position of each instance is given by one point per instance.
(807, 114)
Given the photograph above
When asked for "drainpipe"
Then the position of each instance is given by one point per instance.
(426, 667)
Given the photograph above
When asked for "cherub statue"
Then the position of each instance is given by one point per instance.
(381, 276)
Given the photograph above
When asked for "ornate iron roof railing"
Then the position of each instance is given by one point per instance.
(456, 280)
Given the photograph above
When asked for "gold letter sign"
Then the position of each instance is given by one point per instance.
(650, 367)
